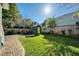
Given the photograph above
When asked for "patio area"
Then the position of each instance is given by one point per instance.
(12, 47)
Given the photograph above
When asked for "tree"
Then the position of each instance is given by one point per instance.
(27, 23)
(10, 16)
(35, 23)
(6, 19)
(44, 23)
(14, 11)
(50, 22)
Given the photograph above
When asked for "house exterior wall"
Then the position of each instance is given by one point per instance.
(67, 19)
(58, 29)
(66, 23)
(1, 28)
(1, 38)
(74, 29)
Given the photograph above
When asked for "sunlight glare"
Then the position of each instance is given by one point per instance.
(47, 10)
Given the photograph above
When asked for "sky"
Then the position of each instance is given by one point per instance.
(39, 12)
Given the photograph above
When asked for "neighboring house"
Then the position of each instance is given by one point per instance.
(66, 24)
(4, 6)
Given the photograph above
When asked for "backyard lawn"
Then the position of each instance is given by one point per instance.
(49, 45)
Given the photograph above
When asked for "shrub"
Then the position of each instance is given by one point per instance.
(75, 36)
(10, 31)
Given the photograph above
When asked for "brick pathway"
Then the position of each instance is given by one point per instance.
(12, 47)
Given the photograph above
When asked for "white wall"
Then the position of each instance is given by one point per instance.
(66, 19)
(74, 29)
(1, 29)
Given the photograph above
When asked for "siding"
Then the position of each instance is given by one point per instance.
(67, 19)
(5, 6)
(73, 28)
(1, 26)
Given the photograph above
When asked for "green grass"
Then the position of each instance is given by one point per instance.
(49, 45)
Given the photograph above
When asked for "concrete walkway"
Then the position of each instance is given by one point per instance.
(12, 47)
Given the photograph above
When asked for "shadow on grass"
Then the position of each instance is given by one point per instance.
(61, 44)
(32, 35)
(62, 40)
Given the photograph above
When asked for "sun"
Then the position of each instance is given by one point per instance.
(47, 10)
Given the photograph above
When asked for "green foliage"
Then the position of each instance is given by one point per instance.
(14, 13)
(28, 23)
(74, 49)
(35, 23)
(10, 16)
(76, 14)
(44, 23)
(10, 31)
(77, 23)
(50, 22)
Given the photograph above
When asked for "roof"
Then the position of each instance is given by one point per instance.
(67, 19)
(67, 14)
